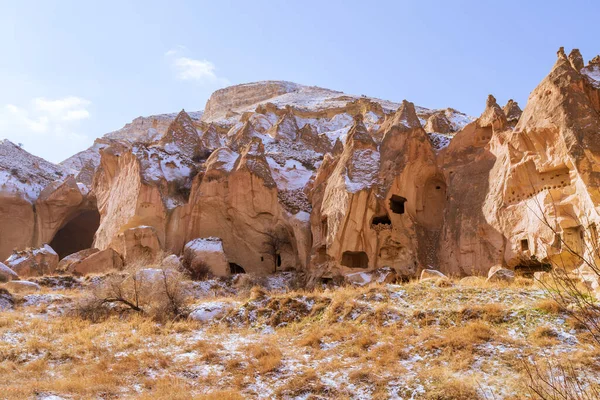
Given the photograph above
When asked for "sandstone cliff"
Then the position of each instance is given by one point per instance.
(296, 177)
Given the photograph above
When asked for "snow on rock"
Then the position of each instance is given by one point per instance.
(457, 119)
(291, 176)
(210, 244)
(210, 311)
(158, 163)
(363, 171)
(24, 174)
(592, 72)
(440, 140)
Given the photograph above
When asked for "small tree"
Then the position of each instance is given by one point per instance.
(276, 240)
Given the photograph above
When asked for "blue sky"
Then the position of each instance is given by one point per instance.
(71, 71)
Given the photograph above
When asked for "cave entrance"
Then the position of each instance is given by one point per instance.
(355, 259)
(77, 234)
(236, 269)
(397, 204)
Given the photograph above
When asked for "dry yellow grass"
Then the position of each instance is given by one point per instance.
(377, 338)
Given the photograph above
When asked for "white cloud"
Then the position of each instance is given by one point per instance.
(68, 108)
(47, 126)
(189, 69)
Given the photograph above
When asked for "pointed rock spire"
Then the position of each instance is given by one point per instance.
(438, 123)
(512, 110)
(576, 59)
(359, 132)
(181, 136)
(406, 115)
(253, 160)
(493, 116)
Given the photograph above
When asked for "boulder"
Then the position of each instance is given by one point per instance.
(428, 274)
(7, 274)
(33, 262)
(22, 286)
(64, 266)
(98, 262)
(500, 274)
(205, 255)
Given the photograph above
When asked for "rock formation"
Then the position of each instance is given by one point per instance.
(295, 177)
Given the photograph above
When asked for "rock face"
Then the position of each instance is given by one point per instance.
(296, 177)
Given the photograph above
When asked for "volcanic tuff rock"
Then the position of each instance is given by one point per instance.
(291, 176)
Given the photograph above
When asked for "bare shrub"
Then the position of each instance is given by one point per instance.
(197, 270)
(568, 295)
(560, 382)
(155, 292)
(276, 240)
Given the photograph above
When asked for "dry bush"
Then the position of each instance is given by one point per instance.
(544, 336)
(463, 337)
(155, 292)
(264, 357)
(198, 270)
(549, 306)
(493, 312)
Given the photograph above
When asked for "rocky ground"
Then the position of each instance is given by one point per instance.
(254, 337)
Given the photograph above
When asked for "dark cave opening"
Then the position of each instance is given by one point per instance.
(528, 267)
(77, 234)
(381, 220)
(236, 269)
(397, 204)
(355, 259)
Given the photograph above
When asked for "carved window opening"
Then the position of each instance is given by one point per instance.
(524, 245)
(279, 260)
(397, 204)
(355, 259)
(236, 269)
